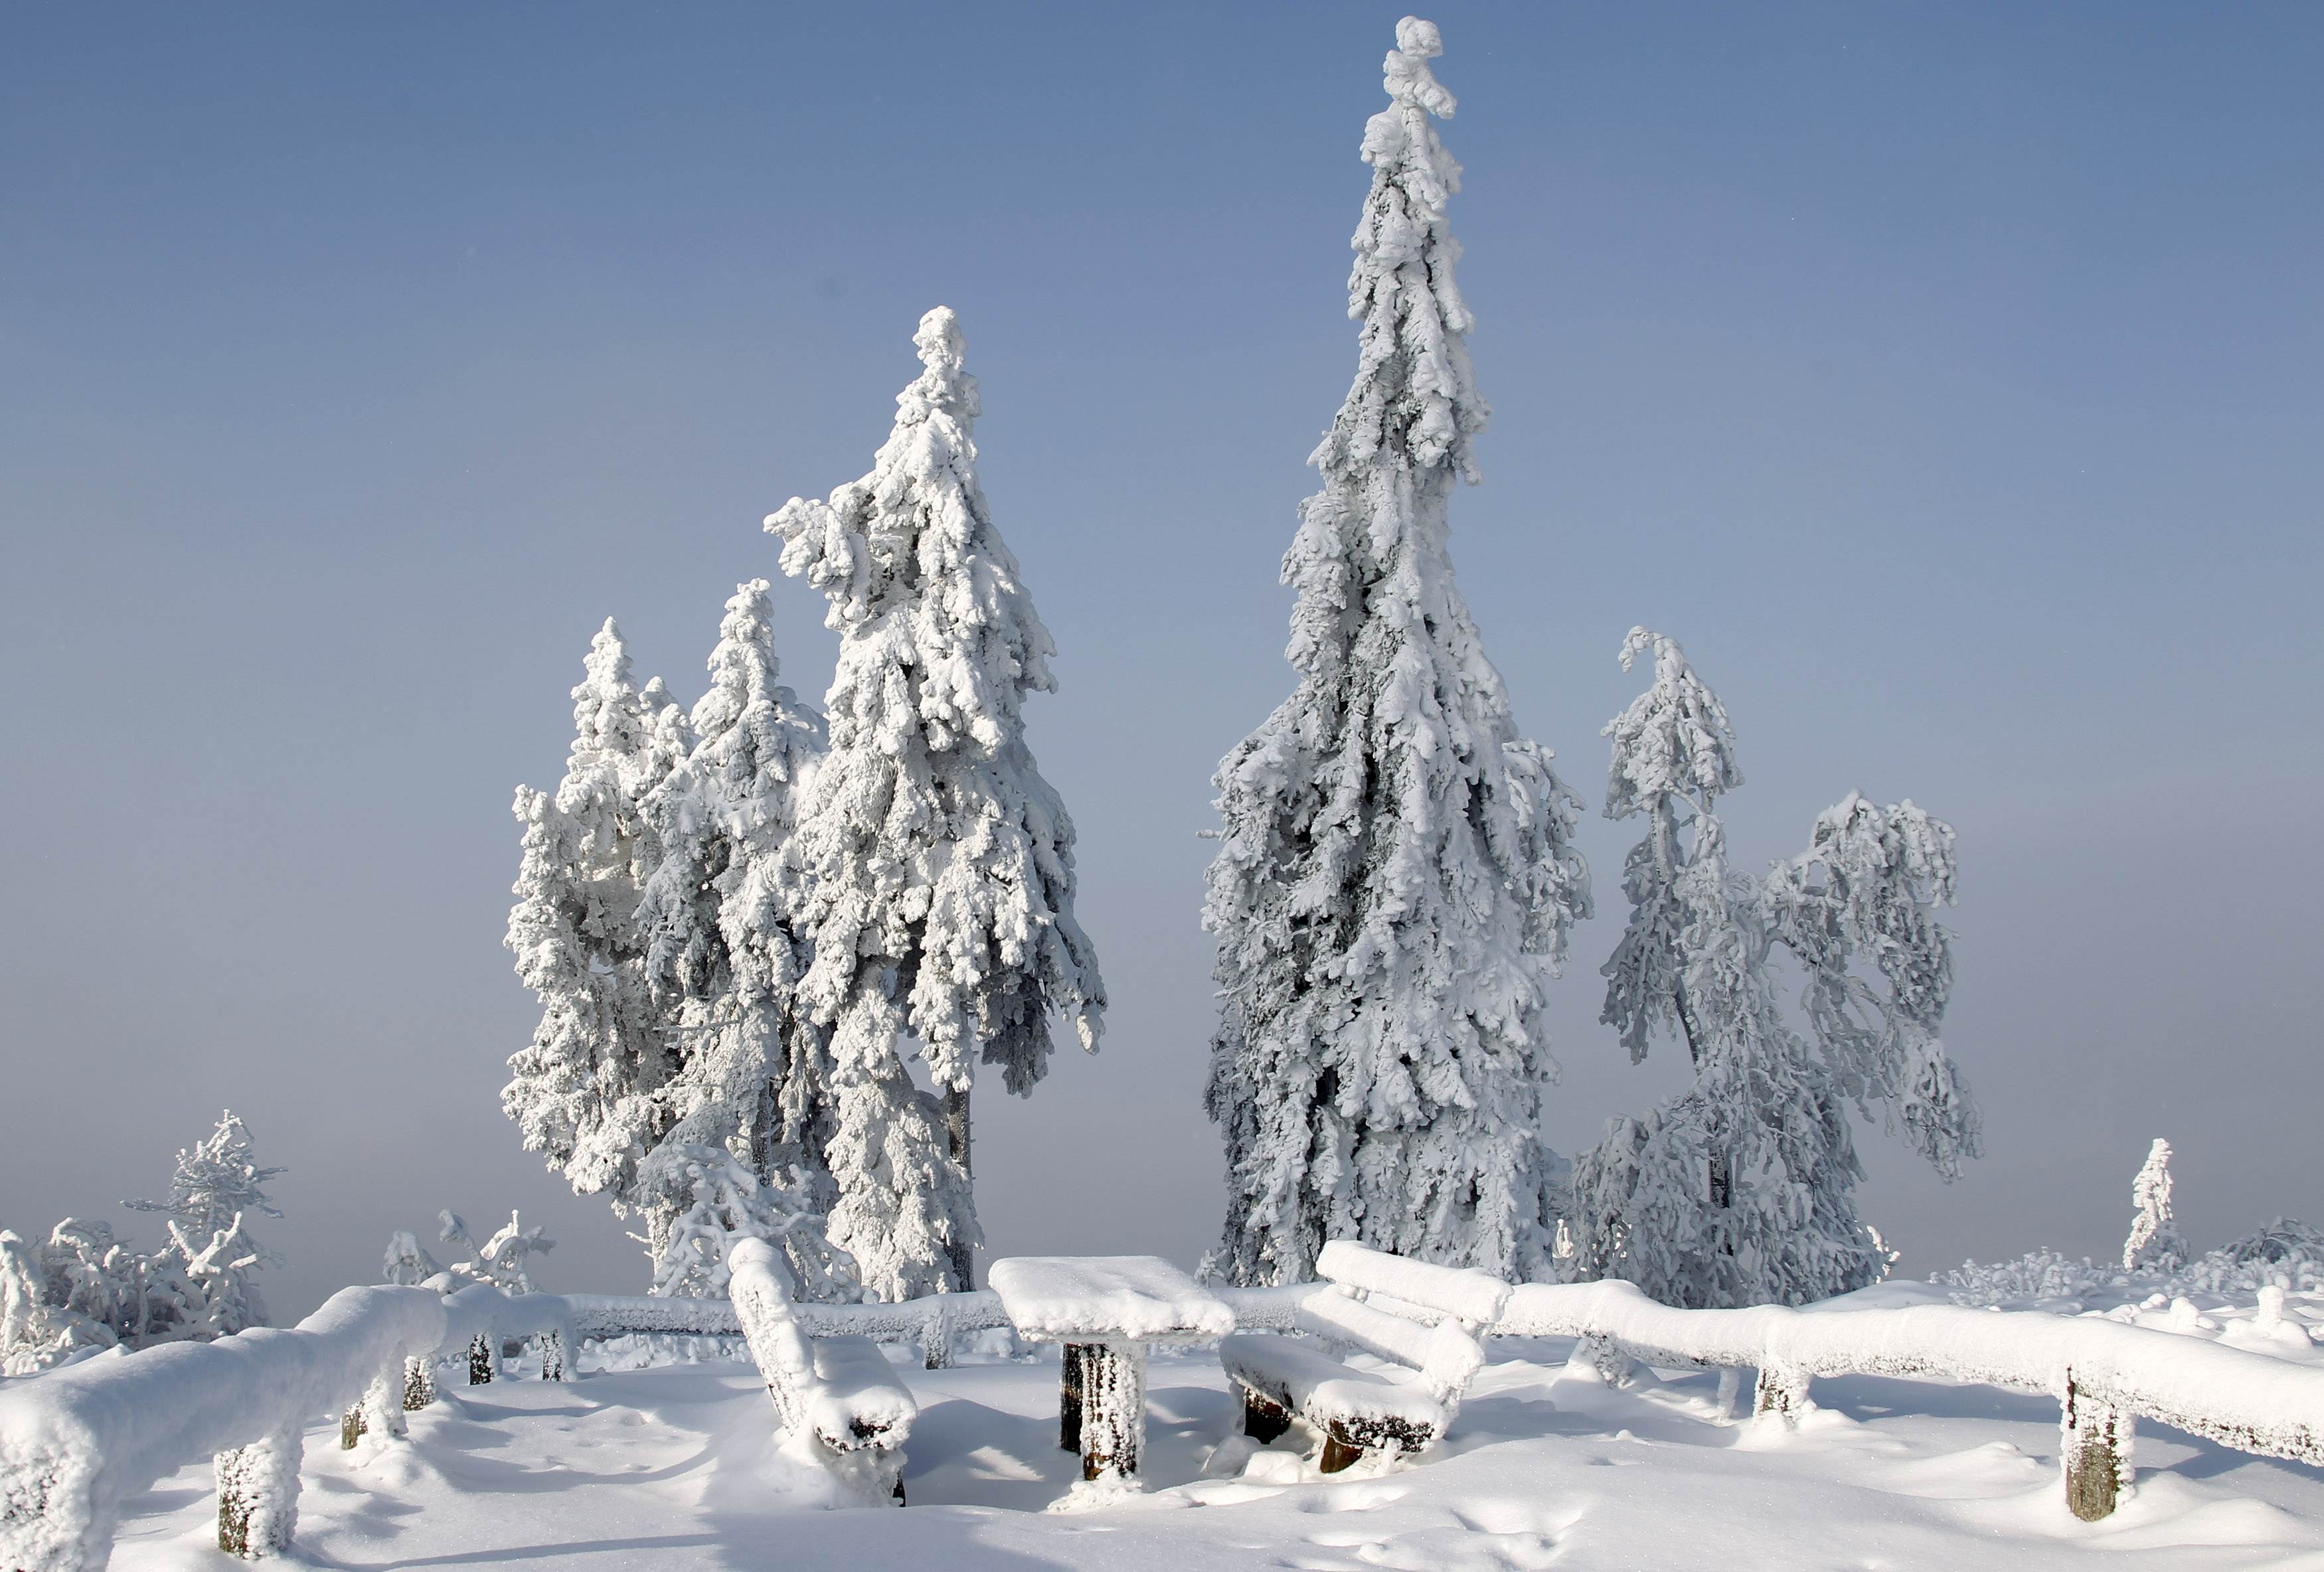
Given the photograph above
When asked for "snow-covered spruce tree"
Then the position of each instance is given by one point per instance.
(202, 1279)
(1396, 881)
(37, 1330)
(936, 862)
(2154, 1243)
(584, 1089)
(724, 954)
(1739, 1190)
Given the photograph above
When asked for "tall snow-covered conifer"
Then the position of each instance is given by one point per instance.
(721, 946)
(1396, 881)
(1740, 1189)
(935, 863)
(583, 1091)
(2154, 1241)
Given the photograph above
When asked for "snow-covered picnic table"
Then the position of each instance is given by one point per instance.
(1105, 1311)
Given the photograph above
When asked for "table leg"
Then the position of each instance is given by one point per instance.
(1069, 1398)
(1114, 1408)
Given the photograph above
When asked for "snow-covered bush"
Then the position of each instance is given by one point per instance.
(1739, 1189)
(38, 1332)
(717, 1199)
(505, 1260)
(199, 1285)
(934, 863)
(1395, 880)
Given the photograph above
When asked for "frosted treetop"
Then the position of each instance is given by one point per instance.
(1407, 78)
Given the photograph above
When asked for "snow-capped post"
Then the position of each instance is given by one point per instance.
(937, 864)
(1395, 881)
(2155, 1240)
(1780, 1393)
(2095, 1445)
(419, 1381)
(258, 1495)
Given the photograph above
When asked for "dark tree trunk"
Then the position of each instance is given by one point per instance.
(956, 1141)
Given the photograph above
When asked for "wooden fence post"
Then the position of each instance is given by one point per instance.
(1783, 1394)
(258, 1495)
(481, 1359)
(2095, 1443)
(418, 1382)
(1069, 1400)
(936, 1338)
(552, 1354)
(1113, 1408)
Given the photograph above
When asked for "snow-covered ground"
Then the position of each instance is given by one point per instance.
(678, 1467)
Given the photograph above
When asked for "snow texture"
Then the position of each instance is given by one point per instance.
(1395, 881)
(936, 863)
(1093, 1299)
(1739, 1189)
(1466, 1295)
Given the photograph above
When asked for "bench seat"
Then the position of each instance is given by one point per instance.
(1358, 1410)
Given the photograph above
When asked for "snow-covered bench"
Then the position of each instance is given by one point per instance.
(837, 1395)
(1409, 1313)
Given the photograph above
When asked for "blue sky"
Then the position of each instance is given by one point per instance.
(1948, 380)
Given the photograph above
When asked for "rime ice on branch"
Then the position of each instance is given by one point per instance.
(935, 864)
(1396, 881)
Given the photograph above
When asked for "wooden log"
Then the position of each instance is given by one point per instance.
(418, 1384)
(1263, 1418)
(258, 1497)
(936, 1339)
(1069, 1398)
(351, 1427)
(1114, 1408)
(480, 1360)
(552, 1355)
(2095, 1444)
(1340, 1448)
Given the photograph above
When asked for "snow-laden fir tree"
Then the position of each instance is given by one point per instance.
(936, 862)
(37, 1330)
(1739, 1190)
(585, 1091)
(1396, 881)
(2155, 1242)
(724, 954)
(202, 1277)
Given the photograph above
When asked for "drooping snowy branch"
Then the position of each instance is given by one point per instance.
(1395, 877)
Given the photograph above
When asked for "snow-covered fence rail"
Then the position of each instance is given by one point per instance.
(2103, 1373)
(929, 1323)
(78, 1442)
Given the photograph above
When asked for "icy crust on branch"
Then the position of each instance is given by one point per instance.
(723, 950)
(1739, 1189)
(2241, 1400)
(583, 1092)
(1093, 1298)
(75, 1443)
(934, 860)
(1396, 879)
